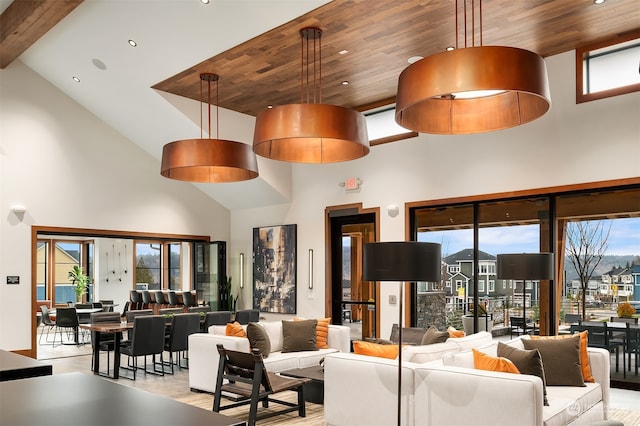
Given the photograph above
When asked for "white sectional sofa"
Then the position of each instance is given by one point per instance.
(203, 352)
(435, 394)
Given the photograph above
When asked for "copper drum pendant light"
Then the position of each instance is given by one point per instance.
(472, 89)
(311, 132)
(208, 160)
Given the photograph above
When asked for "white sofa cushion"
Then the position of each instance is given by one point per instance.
(465, 358)
(567, 403)
(426, 353)
(482, 338)
(274, 330)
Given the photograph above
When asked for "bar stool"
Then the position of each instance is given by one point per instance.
(161, 300)
(173, 299)
(136, 300)
(147, 301)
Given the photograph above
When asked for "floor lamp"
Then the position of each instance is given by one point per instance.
(401, 261)
(525, 266)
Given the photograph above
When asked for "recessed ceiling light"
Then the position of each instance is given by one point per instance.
(76, 79)
(205, 1)
(269, 106)
(414, 59)
(450, 48)
(598, 1)
(343, 52)
(344, 83)
(132, 43)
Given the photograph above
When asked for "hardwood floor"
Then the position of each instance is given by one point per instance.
(177, 387)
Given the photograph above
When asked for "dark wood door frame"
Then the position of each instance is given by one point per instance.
(337, 211)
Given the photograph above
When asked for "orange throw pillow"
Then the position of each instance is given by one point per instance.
(234, 329)
(375, 349)
(322, 332)
(453, 333)
(482, 361)
(584, 354)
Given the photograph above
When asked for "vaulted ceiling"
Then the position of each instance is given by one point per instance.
(254, 45)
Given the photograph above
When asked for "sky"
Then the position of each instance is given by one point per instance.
(624, 239)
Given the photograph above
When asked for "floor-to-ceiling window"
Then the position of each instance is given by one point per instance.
(598, 225)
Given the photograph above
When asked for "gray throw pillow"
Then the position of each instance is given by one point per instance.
(258, 339)
(432, 335)
(560, 360)
(299, 336)
(527, 361)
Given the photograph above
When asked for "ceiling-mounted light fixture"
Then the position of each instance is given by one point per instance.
(472, 89)
(208, 160)
(311, 132)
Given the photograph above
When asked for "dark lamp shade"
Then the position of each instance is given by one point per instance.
(525, 266)
(401, 261)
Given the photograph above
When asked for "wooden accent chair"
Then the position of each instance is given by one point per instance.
(249, 383)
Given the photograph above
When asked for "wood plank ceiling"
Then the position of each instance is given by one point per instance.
(379, 35)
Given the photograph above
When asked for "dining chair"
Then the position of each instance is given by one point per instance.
(127, 305)
(147, 338)
(247, 315)
(199, 309)
(131, 315)
(67, 319)
(107, 305)
(633, 345)
(244, 380)
(182, 325)
(107, 340)
(216, 318)
(47, 324)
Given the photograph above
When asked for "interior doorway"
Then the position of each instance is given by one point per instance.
(353, 302)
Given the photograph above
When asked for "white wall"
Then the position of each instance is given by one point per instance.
(113, 270)
(54, 153)
(571, 144)
(71, 170)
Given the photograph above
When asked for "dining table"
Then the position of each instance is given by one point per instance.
(97, 331)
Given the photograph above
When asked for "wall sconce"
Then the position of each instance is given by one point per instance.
(18, 209)
(241, 270)
(310, 269)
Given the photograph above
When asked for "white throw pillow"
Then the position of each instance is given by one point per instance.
(274, 330)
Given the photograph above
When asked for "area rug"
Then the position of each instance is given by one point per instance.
(628, 418)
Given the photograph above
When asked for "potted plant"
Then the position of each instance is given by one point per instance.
(227, 301)
(484, 322)
(80, 282)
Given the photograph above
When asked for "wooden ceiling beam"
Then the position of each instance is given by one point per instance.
(25, 21)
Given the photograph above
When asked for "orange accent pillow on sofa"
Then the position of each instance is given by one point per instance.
(234, 329)
(482, 361)
(375, 349)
